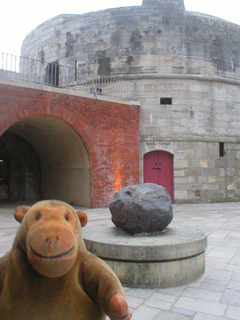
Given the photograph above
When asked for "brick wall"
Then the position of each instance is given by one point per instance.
(110, 131)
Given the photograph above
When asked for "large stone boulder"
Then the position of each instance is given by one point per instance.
(141, 208)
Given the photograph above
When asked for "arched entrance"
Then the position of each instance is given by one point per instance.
(54, 161)
(158, 168)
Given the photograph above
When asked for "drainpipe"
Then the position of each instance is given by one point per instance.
(226, 172)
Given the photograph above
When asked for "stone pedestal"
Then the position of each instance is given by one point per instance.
(171, 258)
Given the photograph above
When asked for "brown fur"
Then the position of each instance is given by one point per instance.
(49, 274)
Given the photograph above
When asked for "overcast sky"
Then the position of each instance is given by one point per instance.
(18, 18)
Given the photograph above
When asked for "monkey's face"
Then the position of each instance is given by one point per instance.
(49, 237)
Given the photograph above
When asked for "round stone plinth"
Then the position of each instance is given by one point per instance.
(170, 258)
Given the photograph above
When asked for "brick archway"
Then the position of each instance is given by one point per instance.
(57, 111)
(65, 164)
(109, 130)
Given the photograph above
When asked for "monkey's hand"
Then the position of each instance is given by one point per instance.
(118, 308)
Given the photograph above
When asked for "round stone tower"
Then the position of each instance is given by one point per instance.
(186, 69)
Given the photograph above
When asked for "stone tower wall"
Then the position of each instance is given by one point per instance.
(149, 39)
(169, 52)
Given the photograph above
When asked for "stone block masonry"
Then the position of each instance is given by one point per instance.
(200, 173)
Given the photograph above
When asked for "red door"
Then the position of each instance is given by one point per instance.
(158, 168)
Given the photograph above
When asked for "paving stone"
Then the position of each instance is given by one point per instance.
(197, 305)
(183, 311)
(234, 285)
(172, 316)
(236, 276)
(202, 294)
(158, 304)
(232, 268)
(234, 243)
(145, 313)
(164, 297)
(214, 285)
(233, 312)
(231, 297)
(218, 235)
(141, 293)
(235, 235)
(218, 264)
(218, 275)
(202, 316)
(171, 291)
(134, 302)
(219, 253)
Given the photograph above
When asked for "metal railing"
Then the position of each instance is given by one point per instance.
(53, 74)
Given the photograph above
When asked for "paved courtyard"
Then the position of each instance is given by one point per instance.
(215, 296)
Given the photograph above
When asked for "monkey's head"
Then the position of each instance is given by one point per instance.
(51, 235)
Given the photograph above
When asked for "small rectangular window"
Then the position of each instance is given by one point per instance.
(165, 101)
(221, 149)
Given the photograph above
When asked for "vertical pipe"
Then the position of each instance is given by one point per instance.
(76, 70)
(27, 69)
(36, 67)
(55, 74)
(225, 159)
(52, 66)
(11, 66)
(23, 68)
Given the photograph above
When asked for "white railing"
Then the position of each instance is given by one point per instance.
(53, 74)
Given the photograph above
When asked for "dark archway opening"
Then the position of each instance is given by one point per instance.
(19, 169)
(44, 158)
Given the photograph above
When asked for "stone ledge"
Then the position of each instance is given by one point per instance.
(71, 92)
(109, 242)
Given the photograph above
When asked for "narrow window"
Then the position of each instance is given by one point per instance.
(165, 101)
(221, 149)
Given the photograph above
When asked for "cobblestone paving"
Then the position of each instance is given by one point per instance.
(215, 296)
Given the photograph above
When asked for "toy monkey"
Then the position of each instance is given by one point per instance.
(49, 274)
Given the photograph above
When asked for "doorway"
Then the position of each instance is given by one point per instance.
(158, 169)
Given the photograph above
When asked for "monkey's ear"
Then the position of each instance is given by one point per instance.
(20, 213)
(82, 217)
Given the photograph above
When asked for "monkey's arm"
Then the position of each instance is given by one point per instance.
(3, 262)
(103, 286)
